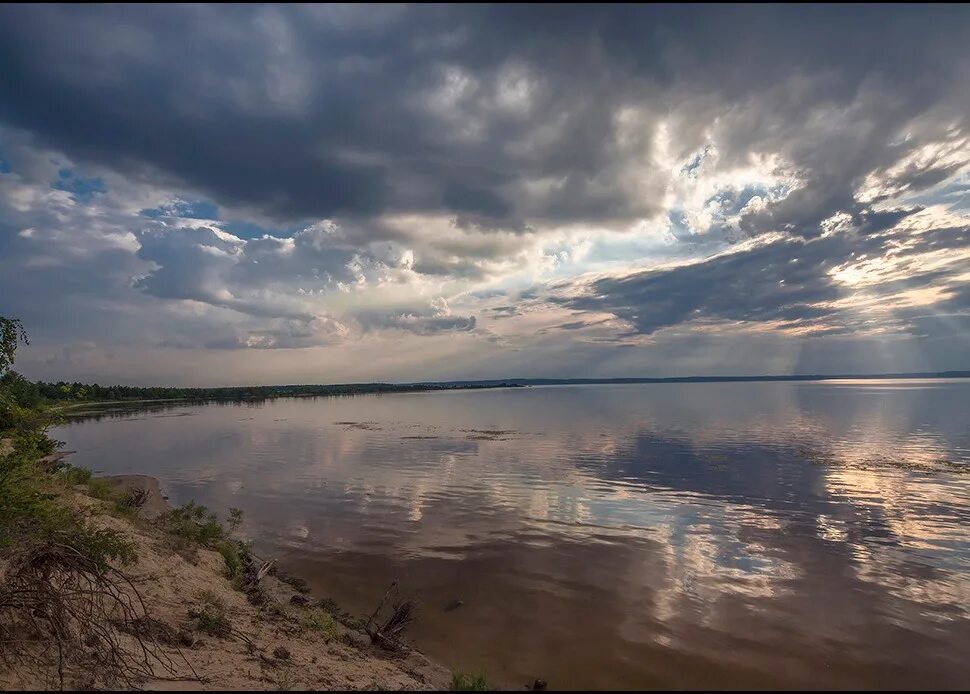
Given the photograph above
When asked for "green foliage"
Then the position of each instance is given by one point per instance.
(75, 475)
(233, 556)
(464, 682)
(26, 508)
(11, 334)
(25, 393)
(101, 545)
(102, 489)
(211, 616)
(34, 443)
(8, 410)
(24, 512)
(320, 622)
(193, 523)
(20, 405)
(94, 392)
(31, 513)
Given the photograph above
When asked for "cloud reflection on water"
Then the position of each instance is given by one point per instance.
(715, 534)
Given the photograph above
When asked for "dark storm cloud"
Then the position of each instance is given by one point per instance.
(769, 283)
(258, 177)
(310, 112)
(789, 280)
(872, 221)
(415, 322)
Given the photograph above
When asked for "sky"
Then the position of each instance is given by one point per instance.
(215, 195)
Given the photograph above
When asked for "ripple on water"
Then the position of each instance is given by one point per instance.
(705, 535)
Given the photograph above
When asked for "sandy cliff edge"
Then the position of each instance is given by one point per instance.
(270, 646)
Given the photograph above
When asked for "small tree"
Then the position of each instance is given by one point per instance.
(11, 332)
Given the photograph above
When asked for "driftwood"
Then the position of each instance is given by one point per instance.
(265, 569)
(388, 634)
(253, 572)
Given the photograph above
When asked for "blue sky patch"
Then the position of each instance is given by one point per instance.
(81, 189)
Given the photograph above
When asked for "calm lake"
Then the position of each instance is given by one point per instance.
(810, 534)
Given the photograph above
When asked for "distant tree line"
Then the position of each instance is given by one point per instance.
(94, 392)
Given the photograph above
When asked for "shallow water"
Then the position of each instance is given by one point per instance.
(610, 536)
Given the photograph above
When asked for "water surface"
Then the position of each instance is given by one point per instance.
(609, 536)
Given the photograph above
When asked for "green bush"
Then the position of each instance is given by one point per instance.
(233, 557)
(320, 622)
(26, 506)
(26, 394)
(75, 475)
(32, 516)
(31, 513)
(102, 489)
(193, 523)
(102, 546)
(464, 682)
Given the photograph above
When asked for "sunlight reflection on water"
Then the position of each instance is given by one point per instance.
(730, 534)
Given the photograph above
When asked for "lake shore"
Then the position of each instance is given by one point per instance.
(205, 633)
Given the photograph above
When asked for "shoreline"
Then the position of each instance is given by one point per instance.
(255, 394)
(206, 633)
(355, 661)
(252, 394)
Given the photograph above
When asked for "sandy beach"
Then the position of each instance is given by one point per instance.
(265, 646)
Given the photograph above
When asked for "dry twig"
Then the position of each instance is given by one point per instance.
(65, 612)
(389, 634)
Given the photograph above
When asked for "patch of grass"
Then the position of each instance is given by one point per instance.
(320, 622)
(121, 503)
(211, 615)
(101, 489)
(75, 475)
(465, 682)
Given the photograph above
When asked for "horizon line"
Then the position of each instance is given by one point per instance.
(953, 373)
